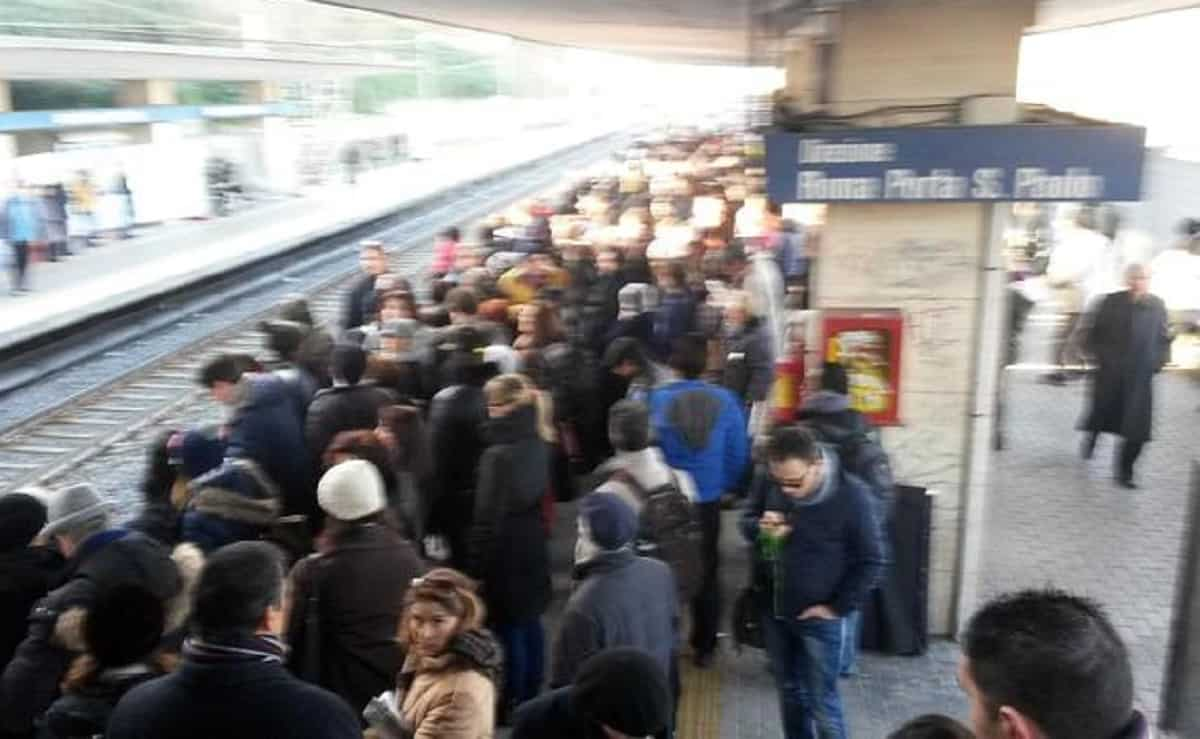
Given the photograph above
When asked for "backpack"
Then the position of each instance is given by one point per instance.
(862, 456)
(668, 530)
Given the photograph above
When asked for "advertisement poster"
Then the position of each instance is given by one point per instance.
(868, 344)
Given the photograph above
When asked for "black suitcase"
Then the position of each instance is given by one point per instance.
(895, 615)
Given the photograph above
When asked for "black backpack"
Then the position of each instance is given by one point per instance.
(862, 456)
(669, 530)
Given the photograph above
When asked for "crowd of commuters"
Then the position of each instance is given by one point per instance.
(362, 546)
(46, 221)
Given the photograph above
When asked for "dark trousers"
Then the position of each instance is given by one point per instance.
(1126, 456)
(524, 660)
(805, 660)
(1067, 345)
(706, 606)
(20, 266)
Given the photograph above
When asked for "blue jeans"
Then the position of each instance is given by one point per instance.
(850, 643)
(806, 660)
(524, 660)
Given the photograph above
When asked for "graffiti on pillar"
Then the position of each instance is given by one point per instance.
(909, 265)
(936, 330)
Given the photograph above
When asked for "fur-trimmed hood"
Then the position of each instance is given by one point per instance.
(188, 559)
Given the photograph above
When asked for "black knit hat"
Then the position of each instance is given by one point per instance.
(625, 690)
(124, 625)
(22, 516)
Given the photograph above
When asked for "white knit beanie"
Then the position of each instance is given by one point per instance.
(351, 490)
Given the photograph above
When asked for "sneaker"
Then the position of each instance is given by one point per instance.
(1128, 484)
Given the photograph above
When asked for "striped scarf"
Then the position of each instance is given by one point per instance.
(257, 648)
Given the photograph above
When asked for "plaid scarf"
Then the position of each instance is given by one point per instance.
(233, 649)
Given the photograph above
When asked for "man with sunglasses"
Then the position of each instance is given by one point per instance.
(818, 551)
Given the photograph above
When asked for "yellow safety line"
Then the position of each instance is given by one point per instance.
(700, 704)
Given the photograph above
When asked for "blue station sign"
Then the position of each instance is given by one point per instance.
(965, 163)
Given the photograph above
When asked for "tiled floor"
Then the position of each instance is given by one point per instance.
(1053, 520)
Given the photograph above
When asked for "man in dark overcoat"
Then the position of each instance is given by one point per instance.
(1130, 343)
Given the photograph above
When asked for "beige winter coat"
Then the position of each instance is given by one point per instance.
(447, 699)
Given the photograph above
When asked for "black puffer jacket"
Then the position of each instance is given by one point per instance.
(266, 429)
(508, 542)
(831, 416)
(360, 591)
(342, 408)
(25, 577)
(104, 560)
(84, 713)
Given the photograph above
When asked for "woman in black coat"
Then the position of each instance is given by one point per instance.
(455, 416)
(508, 542)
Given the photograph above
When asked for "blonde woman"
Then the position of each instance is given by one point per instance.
(447, 686)
(507, 547)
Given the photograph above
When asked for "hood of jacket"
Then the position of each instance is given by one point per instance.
(519, 425)
(825, 401)
(239, 490)
(603, 562)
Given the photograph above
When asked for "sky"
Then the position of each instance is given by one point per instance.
(1138, 71)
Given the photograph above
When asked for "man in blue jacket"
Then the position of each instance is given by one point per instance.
(818, 551)
(24, 221)
(701, 430)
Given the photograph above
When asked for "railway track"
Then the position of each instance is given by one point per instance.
(103, 432)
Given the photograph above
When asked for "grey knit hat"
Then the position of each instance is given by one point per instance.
(74, 507)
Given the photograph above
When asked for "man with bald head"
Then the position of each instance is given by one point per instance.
(1130, 342)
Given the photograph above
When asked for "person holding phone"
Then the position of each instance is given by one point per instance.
(818, 552)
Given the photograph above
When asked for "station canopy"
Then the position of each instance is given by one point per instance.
(689, 31)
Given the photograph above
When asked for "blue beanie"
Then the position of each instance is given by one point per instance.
(611, 522)
(199, 452)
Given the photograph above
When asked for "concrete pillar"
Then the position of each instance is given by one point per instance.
(8, 142)
(136, 93)
(929, 260)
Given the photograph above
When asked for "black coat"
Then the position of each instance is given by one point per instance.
(362, 583)
(549, 716)
(1130, 343)
(508, 549)
(749, 362)
(84, 713)
(25, 577)
(243, 700)
(456, 416)
(104, 560)
(360, 303)
(617, 603)
(600, 309)
(342, 408)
